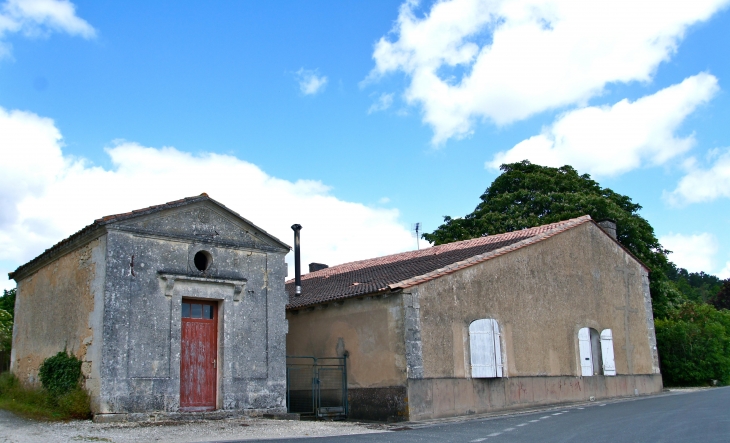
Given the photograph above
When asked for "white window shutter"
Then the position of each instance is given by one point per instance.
(497, 348)
(481, 345)
(609, 364)
(584, 346)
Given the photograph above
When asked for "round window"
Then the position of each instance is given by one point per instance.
(202, 260)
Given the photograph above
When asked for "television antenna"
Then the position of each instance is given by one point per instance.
(416, 228)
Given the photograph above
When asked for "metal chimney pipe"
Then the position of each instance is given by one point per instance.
(297, 262)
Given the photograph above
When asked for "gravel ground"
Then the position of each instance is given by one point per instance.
(19, 430)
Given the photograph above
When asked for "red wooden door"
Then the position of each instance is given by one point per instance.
(198, 353)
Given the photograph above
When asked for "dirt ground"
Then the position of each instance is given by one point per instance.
(20, 430)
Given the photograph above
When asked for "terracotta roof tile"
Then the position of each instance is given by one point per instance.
(399, 271)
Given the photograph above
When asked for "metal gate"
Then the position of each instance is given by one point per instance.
(317, 387)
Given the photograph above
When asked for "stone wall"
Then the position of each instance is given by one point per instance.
(59, 307)
(436, 398)
(148, 278)
(369, 330)
(541, 296)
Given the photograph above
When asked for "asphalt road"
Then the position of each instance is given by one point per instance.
(700, 416)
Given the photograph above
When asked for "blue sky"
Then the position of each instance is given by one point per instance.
(357, 119)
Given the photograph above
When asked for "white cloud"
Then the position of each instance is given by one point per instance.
(46, 196)
(507, 60)
(40, 17)
(310, 82)
(725, 272)
(695, 252)
(383, 102)
(610, 140)
(701, 185)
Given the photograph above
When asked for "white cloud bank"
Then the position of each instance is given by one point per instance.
(40, 17)
(46, 196)
(695, 252)
(310, 82)
(703, 185)
(610, 140)
(507, 60)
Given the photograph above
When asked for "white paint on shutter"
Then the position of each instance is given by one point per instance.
(584, 346)
(481, 345)
(609, 364)
(497, 348)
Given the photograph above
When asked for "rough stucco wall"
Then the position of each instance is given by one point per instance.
(53, 312)
(370, 329)
(141, 325)
(448, 397)
(541, 296)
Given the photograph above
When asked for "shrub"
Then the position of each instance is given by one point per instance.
(694, 345)
(60, 374)
(41, 404)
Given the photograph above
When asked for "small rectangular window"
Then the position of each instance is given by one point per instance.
(208, 312)
(186, 310)
(197, 311)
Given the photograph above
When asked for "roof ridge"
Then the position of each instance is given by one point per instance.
(495, 238)
(109, 218)
(456, 266)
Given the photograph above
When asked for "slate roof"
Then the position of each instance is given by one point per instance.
(400, 271)
(108, 219)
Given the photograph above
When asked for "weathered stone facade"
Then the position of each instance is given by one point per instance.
(112, 295)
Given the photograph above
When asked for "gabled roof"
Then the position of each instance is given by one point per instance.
(91, 231)
(400, 271)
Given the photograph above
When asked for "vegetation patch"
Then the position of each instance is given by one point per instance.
(60, 398)
(695, 345)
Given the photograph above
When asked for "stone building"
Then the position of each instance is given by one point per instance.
(552, 314)
(176, 307)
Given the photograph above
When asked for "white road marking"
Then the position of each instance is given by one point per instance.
(524, 424)
(509, 429)
(564, 412)
(581, 408)
(542, 418)
(534, 421)
(494, 434)
(478, 439)
(558, 413)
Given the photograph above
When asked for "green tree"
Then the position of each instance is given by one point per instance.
(6, 330)
(527, 195)
(7, 311)
(695, 286)
(694, 345)
(721, 300)
(7, 301)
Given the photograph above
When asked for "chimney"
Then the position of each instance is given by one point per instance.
(314, 267)
(609, 226)
(297, 262)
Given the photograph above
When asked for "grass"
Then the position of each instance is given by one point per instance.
(38, 403)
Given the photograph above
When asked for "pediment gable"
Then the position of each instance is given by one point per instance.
(204, 220)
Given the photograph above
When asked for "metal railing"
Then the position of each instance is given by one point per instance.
(317, 387)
